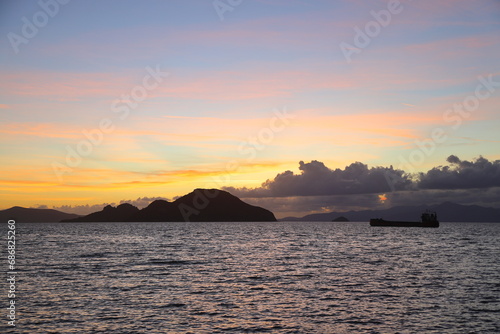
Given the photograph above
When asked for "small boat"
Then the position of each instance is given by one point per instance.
(429, 219)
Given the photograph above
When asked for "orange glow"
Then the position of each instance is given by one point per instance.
(382, 198)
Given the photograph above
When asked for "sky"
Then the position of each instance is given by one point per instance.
(298, 106)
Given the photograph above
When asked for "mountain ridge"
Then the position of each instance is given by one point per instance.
(24, 215)
(201, 205)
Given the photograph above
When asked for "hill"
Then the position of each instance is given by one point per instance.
(201, 205)
(109, 214)
(25, 215)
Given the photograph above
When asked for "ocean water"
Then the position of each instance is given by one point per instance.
(285, 277)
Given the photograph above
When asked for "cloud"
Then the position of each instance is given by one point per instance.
(316, 179)
(67, 86)
(45, 130)
(143, 202)
(462, 174)
(357, 187)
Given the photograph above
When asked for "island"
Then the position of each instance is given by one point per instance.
(32, 215)
(340, 219)
(201, 205)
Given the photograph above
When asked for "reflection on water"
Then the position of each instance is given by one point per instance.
(257, 277)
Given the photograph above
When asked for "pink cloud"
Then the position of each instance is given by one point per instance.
(251, 83)
(66, 86)
(45, 130)
(463, 46)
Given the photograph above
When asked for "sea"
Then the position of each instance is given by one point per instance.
(273, 277)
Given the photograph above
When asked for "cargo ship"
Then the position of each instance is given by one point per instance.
(428, 219)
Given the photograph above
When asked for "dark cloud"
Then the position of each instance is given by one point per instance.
(316, 179)
(462, 174)
(357, 187)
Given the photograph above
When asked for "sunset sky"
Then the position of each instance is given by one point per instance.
(111, 101)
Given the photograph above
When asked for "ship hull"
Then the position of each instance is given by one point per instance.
(382, 222)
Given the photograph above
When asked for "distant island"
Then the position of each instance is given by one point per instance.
(340, 219)
(25, 215)
(201, 205)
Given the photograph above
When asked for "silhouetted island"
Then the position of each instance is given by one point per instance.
(109, 214)
(340, 219)
(201, 205)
